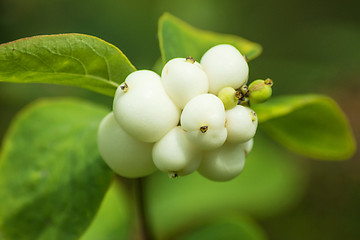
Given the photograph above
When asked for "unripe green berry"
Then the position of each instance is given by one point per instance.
(260, 90)
(227, 96)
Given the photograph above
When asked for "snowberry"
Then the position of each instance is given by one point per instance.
(260, 90)
(248, 146)
(241, 124)
(225, 67)
(175, 155)
(203, 120)
(224, 163)
(184, 79)
(125, 155)
(142, 107)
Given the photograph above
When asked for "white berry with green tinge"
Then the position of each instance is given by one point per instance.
(225, 67)
(241, 124)
(184, 79)
(175, 155)
(142, 107)
(203, 120)
(248, 146)
(124, 154)
(224, 163)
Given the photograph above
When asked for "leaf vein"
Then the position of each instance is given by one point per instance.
(101, 56)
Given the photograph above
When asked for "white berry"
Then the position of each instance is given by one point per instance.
(203, 120)
(183, 80)
(225, 67)
(124, 154)
(248, 146)
(142, 107)
(241, 124)
(224, 163)
(175, 155)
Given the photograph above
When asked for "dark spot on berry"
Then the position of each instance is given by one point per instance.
(203, 129)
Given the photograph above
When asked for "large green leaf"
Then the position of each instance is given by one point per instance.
(113, 220)
(233, 228)
(270, 183)
(52, 179)
(68, 59)
(179, 39)
(312, 125)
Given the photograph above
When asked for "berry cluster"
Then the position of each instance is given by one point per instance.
(194, 117)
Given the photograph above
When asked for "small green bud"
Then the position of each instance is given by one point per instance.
(244, 90)
(260, 90)
(228, 96)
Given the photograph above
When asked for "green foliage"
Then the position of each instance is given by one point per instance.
(52, 179)
(312, 125)
(230, 228)
(112, 221)
(178, 39)
(68, 59)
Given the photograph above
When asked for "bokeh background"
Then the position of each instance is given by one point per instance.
(309, 47)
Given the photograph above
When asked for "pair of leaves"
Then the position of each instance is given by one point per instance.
(89, 62)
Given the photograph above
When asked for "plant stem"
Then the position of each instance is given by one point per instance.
(135, 191)
(144, 232)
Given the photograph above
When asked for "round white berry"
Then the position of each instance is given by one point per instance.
(124, 154)
(248, 146)
(241, 124)
(225, 67)
(203, 120)
(224, 163)
(175, 155)
(142, 107)
(184, 79)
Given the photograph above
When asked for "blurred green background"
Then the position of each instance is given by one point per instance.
(309, 47)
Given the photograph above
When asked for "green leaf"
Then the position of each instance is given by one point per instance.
(269, 184)
(68, 59)
(112, 222)
(230, 228)
(52, 179)
(312, 125)
(179, 39)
